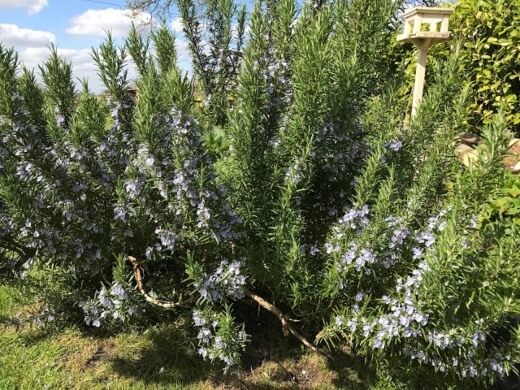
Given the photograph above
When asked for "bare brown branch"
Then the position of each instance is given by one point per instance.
(286, 326)
(138, 276)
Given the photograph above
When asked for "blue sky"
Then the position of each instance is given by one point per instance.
(74, 26)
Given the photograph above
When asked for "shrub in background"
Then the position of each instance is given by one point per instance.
(490, 31)
(489, 36)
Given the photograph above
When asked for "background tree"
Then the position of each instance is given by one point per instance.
(215, 32)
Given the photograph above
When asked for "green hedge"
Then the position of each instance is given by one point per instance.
(490, 32)
(487, 34)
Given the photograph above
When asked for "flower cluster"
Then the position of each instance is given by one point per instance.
(405, 322)
(466, 368)
(226, 281)
(394, 145)
(425, 239)
(174, 180)
(337, 152)
(219, 338)
(355, 218)
(65, 186)
(167, 239)
(399, 232)
(109, 304)
(294, 173)
(359, 257)
(403, 318)
(277, 78)
(362, 253)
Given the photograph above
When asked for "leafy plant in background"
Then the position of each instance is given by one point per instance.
(491, 36)
(487, 32)
(504, 204)
(296, 186)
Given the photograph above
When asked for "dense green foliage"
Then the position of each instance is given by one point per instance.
(488, 34)
(296, 180)
(490, 31)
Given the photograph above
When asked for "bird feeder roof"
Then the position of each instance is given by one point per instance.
(444, 12)
(435, 18)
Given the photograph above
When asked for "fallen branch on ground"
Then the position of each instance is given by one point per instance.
(154, 301)
(286, 326)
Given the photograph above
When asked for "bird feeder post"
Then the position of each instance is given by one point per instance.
(435, 21)
(420, 72)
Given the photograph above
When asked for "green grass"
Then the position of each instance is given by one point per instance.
(35, 358)
(73, 358)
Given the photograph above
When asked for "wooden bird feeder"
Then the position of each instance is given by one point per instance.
(424, 27)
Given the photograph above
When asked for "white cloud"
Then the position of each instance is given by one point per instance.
(176, 25)
(83, 65)
(183, 53)
(82, 62)
(97, 22)
(12, 35)
(33, 6)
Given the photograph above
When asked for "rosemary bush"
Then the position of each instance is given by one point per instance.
(295, 181)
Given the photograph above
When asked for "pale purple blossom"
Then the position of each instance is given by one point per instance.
(394, 145)
(226, 281)
(425, 238)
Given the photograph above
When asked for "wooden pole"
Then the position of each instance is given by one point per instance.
(420, 72)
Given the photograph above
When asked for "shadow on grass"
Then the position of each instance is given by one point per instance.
(271, 361)
(293, 366)
(167, 361)
(164, 360)
(9, 320)
(353, 372)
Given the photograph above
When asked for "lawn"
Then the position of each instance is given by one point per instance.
(74, 358)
